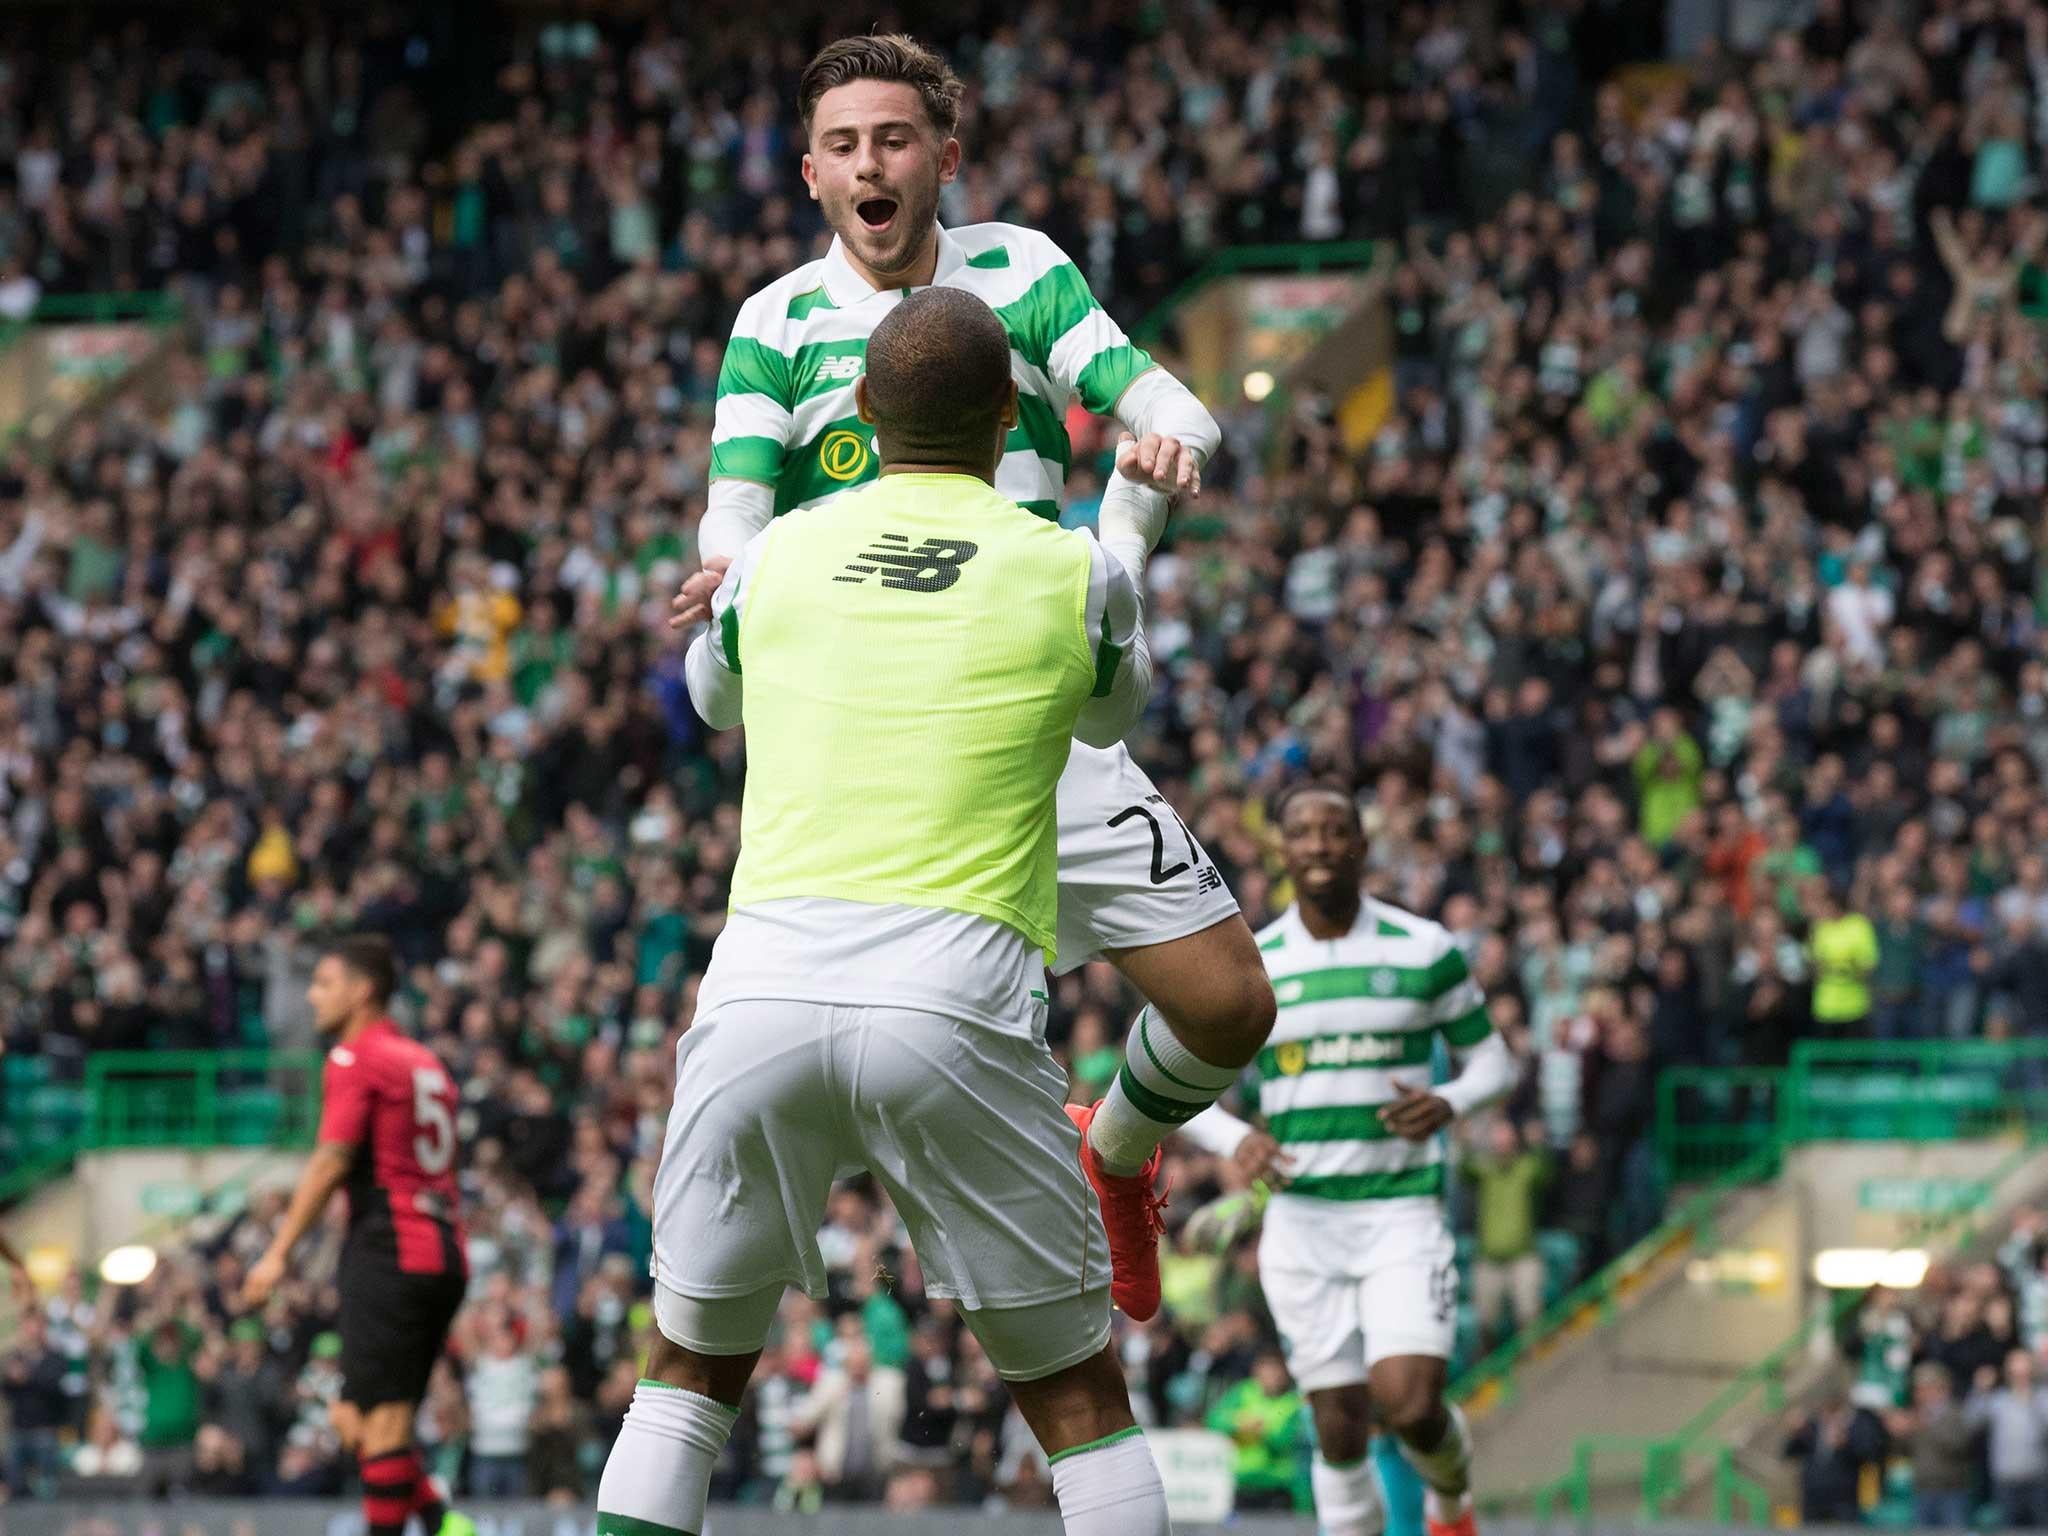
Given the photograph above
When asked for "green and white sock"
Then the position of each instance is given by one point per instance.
(1347, 1497)
(1110, 1487)
(659, 1472)
(1160, 1088)
(1446, 1471)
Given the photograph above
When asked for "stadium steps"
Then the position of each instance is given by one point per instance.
(1712, 1333)
(1640, 1363)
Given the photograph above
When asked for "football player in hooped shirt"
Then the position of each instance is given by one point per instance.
(1356, 1257)
(387, 1135)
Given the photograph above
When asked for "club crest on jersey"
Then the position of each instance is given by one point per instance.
(1384, 983)
(932, 566)
(843, 455)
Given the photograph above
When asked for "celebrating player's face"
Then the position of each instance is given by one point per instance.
(875, 166)
(1323, 845)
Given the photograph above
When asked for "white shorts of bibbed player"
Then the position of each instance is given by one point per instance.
(1352, 1283)
(963, 1126)
(1131, 873)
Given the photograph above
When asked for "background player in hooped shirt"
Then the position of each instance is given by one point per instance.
(1356, 1258)
(911, 667)
(1134, 885)
(387, 1134)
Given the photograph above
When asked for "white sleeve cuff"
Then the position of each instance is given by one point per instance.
(1158, 402)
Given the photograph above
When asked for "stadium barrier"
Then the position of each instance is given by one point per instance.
(250, 1517)
(1710, 1119)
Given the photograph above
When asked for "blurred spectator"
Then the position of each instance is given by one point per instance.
(504, 1387)
(246, 1391)
(219, 1465)
(1845, 953)
(856, 1410)
(559, 1430)
(1834, 1447)
(1509, 1180)
(1940, 1441)
(2013, 1412)
(32, 1381)
(163, 1355)
(1267, 1420)
(107, 1463)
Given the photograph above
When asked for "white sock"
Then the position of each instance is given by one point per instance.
(659, 1472)
(1111, 1487)
(1161, 1087)
(1446, 1472)
(1347, 1497)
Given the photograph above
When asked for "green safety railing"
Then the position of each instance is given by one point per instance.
(1664, 1460)
(202, 1098)
(1712, 1118)
(153, 1099)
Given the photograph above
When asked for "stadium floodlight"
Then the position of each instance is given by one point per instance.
(1856, 1269)
(1257, 385)
(130, 1264)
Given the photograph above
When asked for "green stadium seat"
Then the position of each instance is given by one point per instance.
(56, 1109)
(18, 1069)
(1560, 1252)
(251, 1117)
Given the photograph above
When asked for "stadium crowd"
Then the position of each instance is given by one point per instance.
(1944, 1422)
(1681, 630)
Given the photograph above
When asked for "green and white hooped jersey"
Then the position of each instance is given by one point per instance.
(785, 414)
(1355, 1017)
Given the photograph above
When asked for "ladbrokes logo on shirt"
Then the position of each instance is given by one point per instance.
(1297, 1056)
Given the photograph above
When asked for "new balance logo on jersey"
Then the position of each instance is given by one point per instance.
(931, 567)
(839, 369)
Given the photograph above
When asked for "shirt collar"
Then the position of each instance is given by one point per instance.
(845, 287)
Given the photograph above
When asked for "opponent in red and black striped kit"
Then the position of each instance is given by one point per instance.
(387, 1136)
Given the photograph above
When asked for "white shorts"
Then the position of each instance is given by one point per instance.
(1378, 1283)
(964, 1127)
(1131, 873)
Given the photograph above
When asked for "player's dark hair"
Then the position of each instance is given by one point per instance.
(370, 956)
(938, 378)
(1303, 788)
(887, 56)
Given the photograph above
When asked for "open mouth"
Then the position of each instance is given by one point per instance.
(877, 213)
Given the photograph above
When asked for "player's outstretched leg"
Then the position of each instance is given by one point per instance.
(1211, 1009)
(658, 1475)
(1409, 1393)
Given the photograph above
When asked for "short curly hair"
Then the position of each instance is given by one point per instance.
(889, 56)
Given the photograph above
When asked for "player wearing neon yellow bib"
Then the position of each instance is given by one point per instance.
(911, 665)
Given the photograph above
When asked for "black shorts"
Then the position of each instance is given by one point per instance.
(393, 1327)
